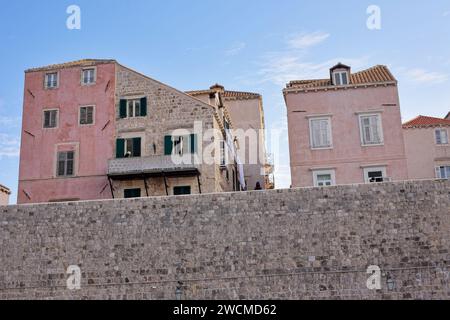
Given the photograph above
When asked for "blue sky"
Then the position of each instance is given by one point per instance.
(245, 45)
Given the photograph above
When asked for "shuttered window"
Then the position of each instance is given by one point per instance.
(441, 136)
(133, 108)
(87, 115)
(320, 130)
(128, 148)
(180, 145)
(371, 129)
(443, 172)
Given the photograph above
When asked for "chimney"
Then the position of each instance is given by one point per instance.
(217, 88)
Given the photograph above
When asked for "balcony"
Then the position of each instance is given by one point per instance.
(149, 166)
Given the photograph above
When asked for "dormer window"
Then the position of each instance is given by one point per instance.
(340, 75)
(340, 78)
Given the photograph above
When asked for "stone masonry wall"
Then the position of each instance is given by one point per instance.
(168, 110)
(293, 244)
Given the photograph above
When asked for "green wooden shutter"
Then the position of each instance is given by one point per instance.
(144, 107)
(136, 147)
(123, 108)
(168, 145)
(193, 143)
(120, 148)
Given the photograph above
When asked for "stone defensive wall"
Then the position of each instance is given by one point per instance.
(314, 243)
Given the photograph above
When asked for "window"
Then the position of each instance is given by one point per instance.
(180, 145)
(320, 133)
(128, 148)
(132, 193)
(441, 136)
(371, 129)
(50, 119)
(443, 172)
(88, 76)
(324, 178)
(373, 175)
(178, 191)
(340, 78)
(51, 80)
(87, 115)
(223, 154)
(133, 108)
(65, 164)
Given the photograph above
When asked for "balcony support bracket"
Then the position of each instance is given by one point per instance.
(199, 184)
(111, 187)
(166, 185)
(146, 186)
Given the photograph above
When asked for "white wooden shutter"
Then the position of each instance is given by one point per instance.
(375, 125)
(438, 173)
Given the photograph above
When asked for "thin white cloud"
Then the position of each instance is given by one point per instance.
(235, 49)
(423, 76)
(307, 40)
(9, 121)
(446, 13)
(9, 145)
(294, 61)
(280, 69)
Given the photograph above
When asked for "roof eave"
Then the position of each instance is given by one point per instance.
(88, 62)
(334, 88)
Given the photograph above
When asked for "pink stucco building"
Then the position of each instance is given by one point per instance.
(64, 157)
(346, 128)
(94, 129)
(427, 147)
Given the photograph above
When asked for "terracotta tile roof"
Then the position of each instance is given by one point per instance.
(227, 94)
(78, 63)
(5, 189)
(426, 122)
(377, 74)
(241, 95)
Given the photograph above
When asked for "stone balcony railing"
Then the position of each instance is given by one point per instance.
(152, 164)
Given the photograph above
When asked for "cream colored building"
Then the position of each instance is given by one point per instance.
(4, 195)
(247, 113)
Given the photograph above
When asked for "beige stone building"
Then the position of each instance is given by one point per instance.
(247, 112)
(4, 195)
(147, 141)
